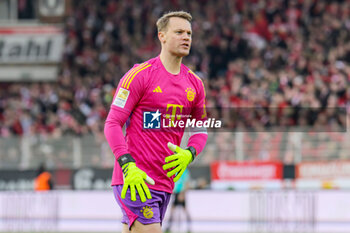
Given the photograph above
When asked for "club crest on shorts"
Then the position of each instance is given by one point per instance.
(147, 212)
(190, 94)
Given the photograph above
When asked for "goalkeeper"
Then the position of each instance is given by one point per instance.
(148, 159)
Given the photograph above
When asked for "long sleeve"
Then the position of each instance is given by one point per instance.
(198, 136)
(114, 133)
(128, 93)
(198, 141)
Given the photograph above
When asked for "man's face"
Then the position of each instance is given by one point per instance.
(178, 37)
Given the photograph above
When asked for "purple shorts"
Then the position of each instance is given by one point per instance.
(151, 211)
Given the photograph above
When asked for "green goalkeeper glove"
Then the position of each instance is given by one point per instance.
(134, 177)
(179, 160)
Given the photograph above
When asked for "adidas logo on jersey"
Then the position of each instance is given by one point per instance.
(157, 89)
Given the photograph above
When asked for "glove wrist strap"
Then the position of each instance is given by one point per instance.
(124, 159)
(193, 151)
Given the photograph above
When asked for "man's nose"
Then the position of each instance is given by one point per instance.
(186, 37)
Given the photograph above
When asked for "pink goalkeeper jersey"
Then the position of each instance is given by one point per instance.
(149, 87)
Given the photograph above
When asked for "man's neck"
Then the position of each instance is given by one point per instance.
(170, 62)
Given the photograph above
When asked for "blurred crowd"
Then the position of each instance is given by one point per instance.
(269, 54)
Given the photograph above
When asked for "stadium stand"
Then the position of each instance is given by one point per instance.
(250, 54)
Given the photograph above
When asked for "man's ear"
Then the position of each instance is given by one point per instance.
(161, 37)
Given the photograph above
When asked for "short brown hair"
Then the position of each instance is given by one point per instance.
(163, 21)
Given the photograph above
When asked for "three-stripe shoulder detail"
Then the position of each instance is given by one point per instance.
(132, 73)
(196, 76)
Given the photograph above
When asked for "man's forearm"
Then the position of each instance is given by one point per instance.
(114, 133)
(198, 141)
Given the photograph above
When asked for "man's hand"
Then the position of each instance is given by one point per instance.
(134, 177)
(178, 162)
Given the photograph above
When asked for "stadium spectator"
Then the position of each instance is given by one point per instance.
(273, 54)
